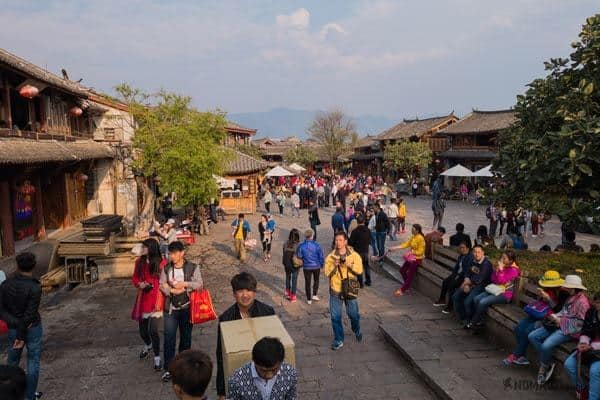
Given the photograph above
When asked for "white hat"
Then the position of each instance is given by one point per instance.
(573, 282)
(171, 221)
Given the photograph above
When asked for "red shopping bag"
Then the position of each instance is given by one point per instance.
(3, 327)
(136, 313)
(201, 307)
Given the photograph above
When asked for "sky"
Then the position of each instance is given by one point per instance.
(394, 58)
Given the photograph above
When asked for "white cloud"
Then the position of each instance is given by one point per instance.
(332, 30)
(299, 19)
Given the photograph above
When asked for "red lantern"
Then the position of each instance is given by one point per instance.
(29, 91)
(75, 111)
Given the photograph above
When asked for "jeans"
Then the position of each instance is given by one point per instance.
(149, 333)
(367, 270)
(335, 309)
(280, 209)
(393, 228)
(268, 206)
(33, 342)
(308, 274)
(464, 302)
(374, 242)
(571, 368)
(291, 279)
(437, 219)
(545, 341)
(493, 226)
(380, 238)
(522, 331)
(177, 319)
(449, 285)
(409, 271)
(313, 226)
(482, 302)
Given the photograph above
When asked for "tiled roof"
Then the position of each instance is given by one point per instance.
(415, 127)
(366, 141)
(26, 151)
(481, 121)
(244, 164)
(233, 127)
(21, 65)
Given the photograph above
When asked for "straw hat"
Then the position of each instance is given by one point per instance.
(573, 282)
(551, 279)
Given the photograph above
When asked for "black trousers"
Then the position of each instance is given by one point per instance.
(308, 275)
(367, 270)
(149, 333)
(449, 285)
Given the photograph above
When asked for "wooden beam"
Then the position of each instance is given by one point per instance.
(66, 202)
(6, 220)
(7, 103)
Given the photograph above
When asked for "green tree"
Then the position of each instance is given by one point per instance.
(408, 158)
(178, 143)
(550, 159)
(250, 150)
(334, 131)
(302, 155)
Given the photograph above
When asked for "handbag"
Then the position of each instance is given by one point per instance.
(297, 262)
(538, 309)
(495, 289)
(136, 313)
(201, 307)
(409, 256)
(350, 286)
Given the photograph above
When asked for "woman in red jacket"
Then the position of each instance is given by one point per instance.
(149, 302)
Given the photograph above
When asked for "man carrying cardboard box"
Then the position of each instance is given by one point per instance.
(246, 306)
(267, 376)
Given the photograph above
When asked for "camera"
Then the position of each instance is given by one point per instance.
(342, 259)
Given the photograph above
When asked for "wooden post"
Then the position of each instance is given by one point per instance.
(7, 103)
(66, 203)
(6, 220)
(38, 215)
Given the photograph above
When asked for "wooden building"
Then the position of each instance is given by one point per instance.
(471, 141)
(49, 160)
(244, 170)
(238, 135)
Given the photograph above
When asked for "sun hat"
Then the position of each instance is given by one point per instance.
(551, 278)
(573, 282)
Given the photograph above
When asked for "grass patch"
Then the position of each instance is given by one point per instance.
(586, 265)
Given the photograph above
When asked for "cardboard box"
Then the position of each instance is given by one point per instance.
(239, 337)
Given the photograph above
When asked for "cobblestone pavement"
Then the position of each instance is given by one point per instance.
(91, 345)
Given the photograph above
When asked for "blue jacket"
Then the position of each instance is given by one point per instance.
(480, 273)
(338, 222)
(245, 227)
(311, 255)
(462, 264)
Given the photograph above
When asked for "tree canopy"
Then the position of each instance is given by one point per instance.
(550, 158)
(407, 157)
(334, 131)
(300, 154)
(177, 143)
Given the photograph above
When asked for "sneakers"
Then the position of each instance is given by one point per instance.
(166, 377)
(309, 302)
(359, 337)
(439, 303)
(38, 395)
(157, 364)
(510, 359)
(293, 298)
(316, 298)
(521, 361)
(144, 353)
(541, 378)
(447, 310)
(468, 325)
(286, 294)
(337, 345)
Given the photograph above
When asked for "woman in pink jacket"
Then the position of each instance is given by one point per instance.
(504, 277)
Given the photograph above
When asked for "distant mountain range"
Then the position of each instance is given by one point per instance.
(284, 122)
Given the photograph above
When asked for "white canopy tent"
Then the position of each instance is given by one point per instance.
(484, 172)
(297, 167)
(458, 170)
(279, 171)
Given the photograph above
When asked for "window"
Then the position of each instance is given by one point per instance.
(109, 133)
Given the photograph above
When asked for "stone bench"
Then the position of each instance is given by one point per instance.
(501, 319)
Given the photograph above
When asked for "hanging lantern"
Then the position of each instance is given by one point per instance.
(82, 177)
(75, 111)
(27, 188)
(29, 91)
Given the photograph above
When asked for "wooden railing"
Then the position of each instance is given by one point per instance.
(5, 132)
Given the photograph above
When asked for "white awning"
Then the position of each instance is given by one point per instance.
(486, 171)
(458, 170)
(279, 171)
(297, 167)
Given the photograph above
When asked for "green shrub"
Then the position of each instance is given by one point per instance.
(586, 265)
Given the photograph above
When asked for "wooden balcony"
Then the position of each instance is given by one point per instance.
(21, 134)
(438, 144)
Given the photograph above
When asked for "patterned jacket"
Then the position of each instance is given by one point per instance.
(241, 385)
